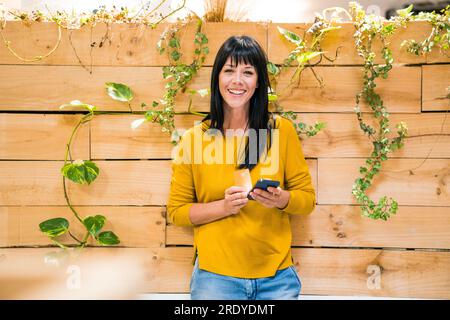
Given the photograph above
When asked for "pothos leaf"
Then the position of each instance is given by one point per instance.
(94, 224)
(81, 172)
(290, 36)
(77, 103)
(119, 91)
(54, 227)
(107, 238)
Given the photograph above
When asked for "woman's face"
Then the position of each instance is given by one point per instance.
(237, 84)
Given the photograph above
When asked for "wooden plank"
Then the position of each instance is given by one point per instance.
(63, 84)
(408, 274)
(349, 272)
(218, 33)
(123, 44)
(41, 137)
(428, 136)
(119, 183)
(435, 84)
(29, 183)
(398, 178)
(343, 226)
(335, 272)
(113, 138)
(400, 91)
(135, 226)
(342, 38)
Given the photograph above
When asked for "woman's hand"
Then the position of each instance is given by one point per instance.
(235, 199)
(273, 197)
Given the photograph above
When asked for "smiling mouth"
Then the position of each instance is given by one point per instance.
(237, 92)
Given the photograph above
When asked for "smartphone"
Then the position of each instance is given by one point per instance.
(264, 184)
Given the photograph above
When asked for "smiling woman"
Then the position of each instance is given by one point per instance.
(243, 246)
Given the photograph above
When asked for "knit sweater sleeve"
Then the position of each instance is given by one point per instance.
(182, 189)
(297, 177)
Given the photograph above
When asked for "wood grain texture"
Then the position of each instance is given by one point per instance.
(409, 181)
(62, 84)
(29, 183)
(343, 226)
(113, 138)
(428, 135)
(115, 44)
(41, 137)
(349, 272)
(334, 272)
(400, 91)
(435, 88)
(135, 226)
(342, 38)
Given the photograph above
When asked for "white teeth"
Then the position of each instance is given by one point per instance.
(236, 91)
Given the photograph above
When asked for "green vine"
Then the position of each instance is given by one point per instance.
(69, 21)
(439, 35)
(178, 75)
(84, 172)
(368, 28)
(301, 55)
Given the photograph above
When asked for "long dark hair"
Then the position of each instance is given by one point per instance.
(244, 49)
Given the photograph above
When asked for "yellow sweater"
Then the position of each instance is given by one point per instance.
(256, 242)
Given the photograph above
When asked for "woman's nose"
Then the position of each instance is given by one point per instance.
(237, 77)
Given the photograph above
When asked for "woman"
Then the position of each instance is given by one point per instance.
(242, 246)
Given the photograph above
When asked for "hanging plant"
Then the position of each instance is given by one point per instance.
(301, 55)
(84, 172)
(70, 21)
(438, 37)
(368, 28)
(178, 75)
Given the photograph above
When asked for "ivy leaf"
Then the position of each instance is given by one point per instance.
(290, 36)
(175, 55)
(94, 224)
(306, 56)
(174, 43)
(107, 238)
(80, 171)
(77, 103)
(119, 91)
(54, 227)
(272, 68)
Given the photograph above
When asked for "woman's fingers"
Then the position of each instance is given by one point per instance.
(234, 189)
(264, 194)
(261, 199)
(240, 202)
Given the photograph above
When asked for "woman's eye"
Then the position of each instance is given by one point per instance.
(228, 71)
(248, 73)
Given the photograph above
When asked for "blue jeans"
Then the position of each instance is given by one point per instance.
(205, 285)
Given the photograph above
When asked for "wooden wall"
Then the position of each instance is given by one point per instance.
(334, 248)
